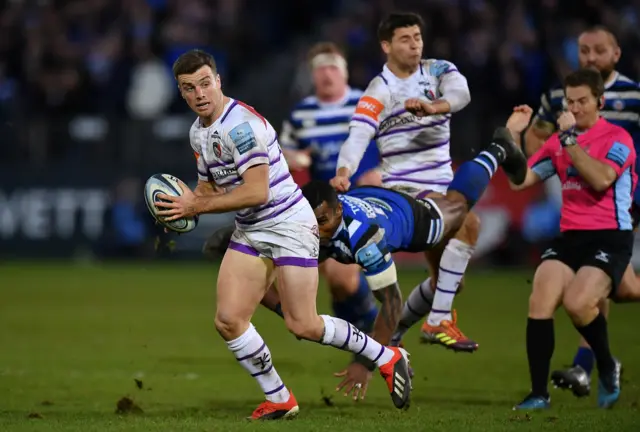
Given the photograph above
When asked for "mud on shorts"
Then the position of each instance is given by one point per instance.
(608, 250)
(293, 241)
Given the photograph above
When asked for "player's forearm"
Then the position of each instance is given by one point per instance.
(453, 101)
(530, 179)
(244, 196)
(207, 189)
(455, 94)
(390, 299)
(386, 322)
(598, 175)
(353, 149)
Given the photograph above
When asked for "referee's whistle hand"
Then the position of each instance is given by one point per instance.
(566, 121)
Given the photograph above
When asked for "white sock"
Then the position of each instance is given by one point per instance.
(416, 307)
(345, 336)
(254, 355)
(453, 264)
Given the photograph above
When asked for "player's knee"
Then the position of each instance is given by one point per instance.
(305, 328)
(229, 325)
(540, 305)
(454, 215)
(579, 306)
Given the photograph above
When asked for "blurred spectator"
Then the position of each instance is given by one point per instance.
(130, 224)
(112, 58)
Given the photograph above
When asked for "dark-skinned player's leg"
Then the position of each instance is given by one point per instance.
(469, 183)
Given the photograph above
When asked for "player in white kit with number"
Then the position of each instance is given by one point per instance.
(407, 109)
(241, 168)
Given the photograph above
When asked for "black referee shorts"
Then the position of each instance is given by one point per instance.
(608, 250)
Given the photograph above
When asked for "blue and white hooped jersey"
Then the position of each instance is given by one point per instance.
(323, 128)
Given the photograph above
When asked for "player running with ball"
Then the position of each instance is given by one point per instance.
(595, 161)
(276, 236)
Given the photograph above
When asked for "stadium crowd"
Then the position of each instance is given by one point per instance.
(98, 56)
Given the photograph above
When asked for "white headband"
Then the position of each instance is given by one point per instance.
(330, 59)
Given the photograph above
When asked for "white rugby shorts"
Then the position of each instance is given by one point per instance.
(293, 241)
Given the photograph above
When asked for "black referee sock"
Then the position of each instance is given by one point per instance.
(597, 336)
(540, 345)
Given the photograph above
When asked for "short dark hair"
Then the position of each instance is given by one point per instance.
(388, 26)
(191, 61)
(317, 192)
(586, 77)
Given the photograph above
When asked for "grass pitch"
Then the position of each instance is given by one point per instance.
(76, 340)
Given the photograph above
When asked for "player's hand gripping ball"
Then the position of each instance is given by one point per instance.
(167, 199)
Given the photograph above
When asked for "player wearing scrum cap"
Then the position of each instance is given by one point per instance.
(311, 137)
(407, 109)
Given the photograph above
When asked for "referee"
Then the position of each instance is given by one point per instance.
(598, 49)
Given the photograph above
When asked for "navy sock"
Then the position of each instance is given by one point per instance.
(585, 359)
(540, 345)
(597, 336)
(472, 177)
(359, 309)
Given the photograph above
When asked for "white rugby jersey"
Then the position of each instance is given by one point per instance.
(239, 139)
(415, 151)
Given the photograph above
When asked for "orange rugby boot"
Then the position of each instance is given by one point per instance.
(396, 373)
(268, 410)
(448, 335)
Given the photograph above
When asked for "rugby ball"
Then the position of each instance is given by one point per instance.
(168, 185)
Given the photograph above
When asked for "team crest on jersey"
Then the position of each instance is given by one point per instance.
(618, 105)
(429, 94)
(216, 144)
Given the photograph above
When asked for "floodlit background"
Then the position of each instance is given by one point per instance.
(89, 109)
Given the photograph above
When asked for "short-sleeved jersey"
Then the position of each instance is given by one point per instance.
(322, 128)
(415, 151)
(376, 223)
(583, 208)
(238, 140)
(621, 106)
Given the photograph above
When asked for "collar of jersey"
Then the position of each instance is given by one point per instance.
(224, 111)
(341, 227)
(339, 103)
(614, 77)
(388, 74)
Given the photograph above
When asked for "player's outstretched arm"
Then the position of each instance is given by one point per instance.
(390, 298)
(381, 274)
(531, 179)
(542, 127)
(253, 192)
